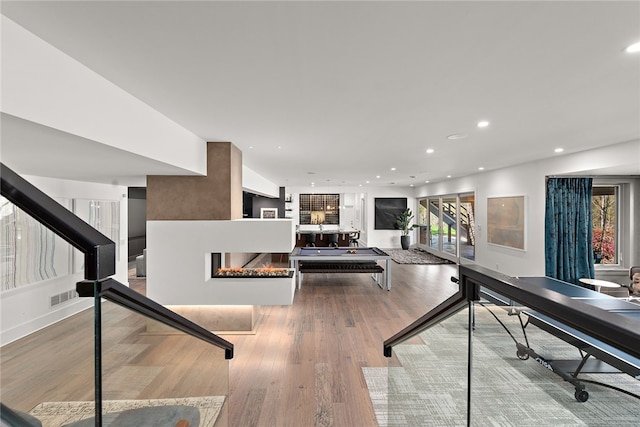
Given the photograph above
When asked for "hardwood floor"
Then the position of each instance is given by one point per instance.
(301, 368)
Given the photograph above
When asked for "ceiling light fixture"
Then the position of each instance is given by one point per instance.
(480, 168)
(634, 48)
(429, 150)
(483, 124)
(393, 169)
(558, 150)
(460, 135)
(448, 176)
(426, 182)
(377, 176)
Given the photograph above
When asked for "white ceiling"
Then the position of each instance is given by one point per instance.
(349, 90)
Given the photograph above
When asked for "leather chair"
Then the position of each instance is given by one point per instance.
(310, 238)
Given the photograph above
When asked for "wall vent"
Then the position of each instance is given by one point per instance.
(62, 297)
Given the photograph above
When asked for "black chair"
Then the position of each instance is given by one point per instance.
(633, 270)
(310, 239)
(333, 240)
(353, 239)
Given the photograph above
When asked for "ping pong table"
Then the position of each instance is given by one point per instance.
(596, 356)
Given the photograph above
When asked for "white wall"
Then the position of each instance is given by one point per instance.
(529, 180)
(27, 309)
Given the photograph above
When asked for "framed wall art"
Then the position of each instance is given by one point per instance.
(269, 213)
(506, 221)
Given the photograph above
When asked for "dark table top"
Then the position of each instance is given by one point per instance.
(342, 252)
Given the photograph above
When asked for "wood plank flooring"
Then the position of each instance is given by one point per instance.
(301, 368)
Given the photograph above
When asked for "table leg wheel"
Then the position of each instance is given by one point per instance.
(521, 355)
(582, 395)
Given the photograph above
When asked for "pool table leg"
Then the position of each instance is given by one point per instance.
(387, 278)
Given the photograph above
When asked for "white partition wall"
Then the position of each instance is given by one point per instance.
(179, 261)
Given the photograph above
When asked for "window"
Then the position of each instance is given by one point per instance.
(604, 211)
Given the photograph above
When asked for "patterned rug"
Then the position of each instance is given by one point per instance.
(415, 256)
(57, 414)
(430, 386)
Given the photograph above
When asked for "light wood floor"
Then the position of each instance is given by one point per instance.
(301, 368)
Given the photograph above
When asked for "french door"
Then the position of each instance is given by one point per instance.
(447, 225)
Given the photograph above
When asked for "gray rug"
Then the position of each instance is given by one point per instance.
(415, 256)
(430, 386)
(57, 414)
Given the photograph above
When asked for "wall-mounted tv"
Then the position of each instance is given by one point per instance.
(387, 210)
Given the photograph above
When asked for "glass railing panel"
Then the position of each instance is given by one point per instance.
(148, 364)
(513, 382)
(51, 365)
(427, 378)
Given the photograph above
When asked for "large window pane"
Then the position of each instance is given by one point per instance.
(604, 209)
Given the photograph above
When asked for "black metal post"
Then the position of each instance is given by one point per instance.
(469, 361)
(97, 330)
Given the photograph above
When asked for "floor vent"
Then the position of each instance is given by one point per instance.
(63, 297)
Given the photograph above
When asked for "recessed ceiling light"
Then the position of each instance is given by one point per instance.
(410, 185)
(460, 135)
(377, 176)
(483, 124)
(559, 150)
(448, 176)
(633, 48)
(393, 169)
(426, 182)
(429, 150)
(480, 168)
(250, 147)
(366, 182)
(279, 147)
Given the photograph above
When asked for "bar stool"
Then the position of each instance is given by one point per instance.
(311, 240)
(353, 238)
(333, 240)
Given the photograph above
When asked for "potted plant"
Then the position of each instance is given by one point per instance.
(403, 222)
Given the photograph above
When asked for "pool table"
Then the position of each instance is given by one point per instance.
(347, 256)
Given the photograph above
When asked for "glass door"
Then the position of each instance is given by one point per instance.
(449, 225)
(423, 222)
(467, 226)
(433, 233)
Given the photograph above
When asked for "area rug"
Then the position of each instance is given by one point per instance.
(415, 256)
(430, 386)
(57, 414)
